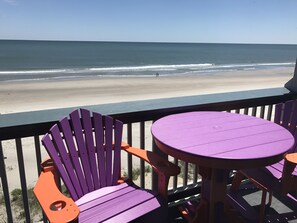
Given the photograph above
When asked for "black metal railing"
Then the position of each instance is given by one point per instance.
(21, 131)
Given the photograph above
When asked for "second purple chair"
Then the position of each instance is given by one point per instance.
(280, 177)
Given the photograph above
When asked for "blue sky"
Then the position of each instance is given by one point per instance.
(221, 21)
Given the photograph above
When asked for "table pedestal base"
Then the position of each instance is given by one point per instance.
(211, 207)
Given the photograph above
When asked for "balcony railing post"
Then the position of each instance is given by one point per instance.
(154, 175)
(185, 173)
(23, 178)
(129, 158)
(175, 161)
(269, 114)
(38, 153)
(5, 185)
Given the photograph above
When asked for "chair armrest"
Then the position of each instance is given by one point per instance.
(289, 181)
(161, 166)
(158, 163)
(291, 158)
(57, 207)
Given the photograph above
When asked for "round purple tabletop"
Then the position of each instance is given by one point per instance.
(221, 139)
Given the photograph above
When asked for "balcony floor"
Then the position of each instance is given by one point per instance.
(282, 209)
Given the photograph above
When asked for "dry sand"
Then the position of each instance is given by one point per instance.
(37, 95)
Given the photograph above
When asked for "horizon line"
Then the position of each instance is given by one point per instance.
(122, 41)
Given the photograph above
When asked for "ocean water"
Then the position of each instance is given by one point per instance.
(42, 60)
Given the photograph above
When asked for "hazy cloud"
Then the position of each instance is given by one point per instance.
(11, 2)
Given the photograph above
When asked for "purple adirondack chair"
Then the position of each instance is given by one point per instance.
(85, 152)
(280, 177)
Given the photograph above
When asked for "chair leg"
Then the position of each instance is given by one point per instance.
(202, 210)
(238, 177)
(270, 198)
(262, 206)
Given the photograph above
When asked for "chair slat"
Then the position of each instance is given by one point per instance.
(96, 194)
(278, 113)
(276, 170)
(116, 206)
(59, 165)
(68, 137)
(287, 111)
(285, 115)
(294, 149)
(293, 121)
(68, 166)
(108, 149)
(137, 211)
(105, 198)
(293, 125)
(87, 126)
(98, 126)
(78, 133)
(117, 151)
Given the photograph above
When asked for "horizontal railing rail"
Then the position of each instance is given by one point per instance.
(38, 122)
(21, 131)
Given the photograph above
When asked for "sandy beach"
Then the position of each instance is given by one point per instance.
(38, 95)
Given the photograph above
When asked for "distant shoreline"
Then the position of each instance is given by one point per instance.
(135, 72)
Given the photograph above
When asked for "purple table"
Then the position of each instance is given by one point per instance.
(219, 142)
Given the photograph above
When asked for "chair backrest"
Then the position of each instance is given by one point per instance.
(286, 116)
(86, 151)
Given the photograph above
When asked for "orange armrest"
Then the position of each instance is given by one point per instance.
(57, 207)
(159, 164)
(291, 158)
(47, 165)
(289, 166)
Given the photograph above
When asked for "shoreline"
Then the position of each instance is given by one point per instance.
(21, 96)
